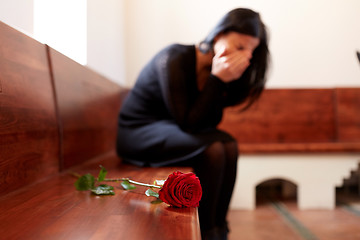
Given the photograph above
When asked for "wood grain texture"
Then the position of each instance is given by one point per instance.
(61, 212)
(55, 112)
(88, 106)
(298, 120)
(285, 116)
(29, 146)
(348, 114)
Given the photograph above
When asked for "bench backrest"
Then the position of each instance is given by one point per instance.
(54, 112)
(88, 106)
(29, 134)
(297, 116)
(348, 114)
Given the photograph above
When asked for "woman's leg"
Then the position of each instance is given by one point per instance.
(216, 169)
(209, 167)
(230, 170)
(228, 182)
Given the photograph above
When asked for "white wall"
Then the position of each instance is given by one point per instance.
(313, 42)
(104, 25)
(18, 14)
(105, 36)
(65, 34)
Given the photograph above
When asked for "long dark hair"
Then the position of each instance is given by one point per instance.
(252, 82)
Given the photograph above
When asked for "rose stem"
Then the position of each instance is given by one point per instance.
(131, 181)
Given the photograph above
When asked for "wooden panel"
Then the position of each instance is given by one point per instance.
(285, 116)
(348, 114)
(29, 148)
(325, 147)
(88, 105)
(61, 212)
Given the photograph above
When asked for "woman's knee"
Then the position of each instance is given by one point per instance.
(215, 154)
(231, 152)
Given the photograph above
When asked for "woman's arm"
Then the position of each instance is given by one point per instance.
(190, 109)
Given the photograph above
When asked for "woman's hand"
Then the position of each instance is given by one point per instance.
(230, 66)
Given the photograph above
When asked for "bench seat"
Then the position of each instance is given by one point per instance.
(53, 209)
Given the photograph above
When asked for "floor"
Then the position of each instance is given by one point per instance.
(278, 218)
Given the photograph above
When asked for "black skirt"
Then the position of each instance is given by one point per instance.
(164, 142)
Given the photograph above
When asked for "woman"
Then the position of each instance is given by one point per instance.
(171, 114)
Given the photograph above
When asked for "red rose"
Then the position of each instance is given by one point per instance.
(181, 190)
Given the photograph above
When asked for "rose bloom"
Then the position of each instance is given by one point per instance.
(181, 190)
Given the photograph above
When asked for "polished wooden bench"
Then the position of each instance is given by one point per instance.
(298, 120)
(58, 117)
(310, 137)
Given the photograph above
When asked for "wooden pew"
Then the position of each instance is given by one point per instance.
(309, 137)
(58, 117)
(29, 136)
(298, 120)
(90, 133)
(348, 115)
(88, 105)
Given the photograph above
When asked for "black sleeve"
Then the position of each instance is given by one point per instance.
(190, 111)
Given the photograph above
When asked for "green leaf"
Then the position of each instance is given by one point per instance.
(151, 193)
(127, 186)
(102, 174)
(157, 201)
(103, 190)
(85, 182)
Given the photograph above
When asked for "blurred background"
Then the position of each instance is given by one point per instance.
(313, 43)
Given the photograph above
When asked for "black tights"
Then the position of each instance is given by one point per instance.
(216, 169)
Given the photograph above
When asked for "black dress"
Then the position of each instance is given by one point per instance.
(165, 118)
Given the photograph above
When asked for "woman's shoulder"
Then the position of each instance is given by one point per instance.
(177, 47)
(176, 51)
(174, 56)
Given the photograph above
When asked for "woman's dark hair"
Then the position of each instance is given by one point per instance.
(252, 82)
